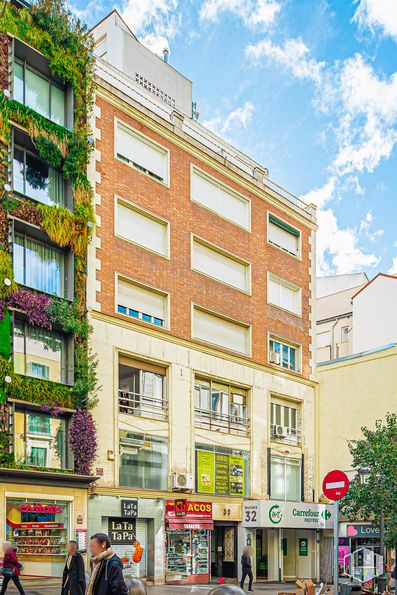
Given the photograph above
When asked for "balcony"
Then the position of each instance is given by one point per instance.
(142, 405)
(286, 435)
(223, 422)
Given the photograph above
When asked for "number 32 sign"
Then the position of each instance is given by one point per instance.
(251, 515)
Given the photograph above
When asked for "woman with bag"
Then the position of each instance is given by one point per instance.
(11, 568)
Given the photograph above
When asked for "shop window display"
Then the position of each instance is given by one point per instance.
(187, 553)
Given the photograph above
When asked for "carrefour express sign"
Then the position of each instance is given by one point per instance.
(299, 515)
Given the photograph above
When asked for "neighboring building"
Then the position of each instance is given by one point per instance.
(334, 311)
(200, 291)
(44, 228)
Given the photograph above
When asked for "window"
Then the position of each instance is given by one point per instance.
(282, 235)
(344, 334)
(284, 295)
(39, 353)
(285, 479)
(142, 228)
(143, 461)
(221, 331)
(32, 177)
(284, 355)
(40, 440)
(39, 266)
(141, 302)
(323, 339)
(142, 153)
(220, 407)
(284, 423)
(216, 263)
(222, 471)
(142, 389)
(219, 198)
(39, 93)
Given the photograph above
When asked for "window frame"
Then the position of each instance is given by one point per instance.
(297, 463)
(346, 339)
(290, 345)
(298, 256)
(295, 288)
(148, 287)
(140, 365)
(148, 438)
(148, 141)
(210, 414)
(286, 403)
(195, 306)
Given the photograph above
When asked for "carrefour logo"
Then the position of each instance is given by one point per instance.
(275, 514)
(326, 514)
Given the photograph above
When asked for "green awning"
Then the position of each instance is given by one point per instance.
(283, 225)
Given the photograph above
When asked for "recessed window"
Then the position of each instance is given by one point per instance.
(285, 479)
(283, 235)
(142, 153)
(220, 407)
(219, 198)
(221, 331)
(284, 295)
(220, 265)
(142, 228)
(141, 302)
(344, 334)
(142, 389)
(284, 424)
(143, 461)
(284, 355)
(39, 92)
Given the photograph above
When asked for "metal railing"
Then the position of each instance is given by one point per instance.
(142, 405)
(291, 436)
(222, 422)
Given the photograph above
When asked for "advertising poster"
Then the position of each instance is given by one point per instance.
(221, 474)
(236, 475)
(205, 472)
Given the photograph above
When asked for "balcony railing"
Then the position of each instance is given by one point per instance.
(142, 405)
(222, 422)
(286, 435)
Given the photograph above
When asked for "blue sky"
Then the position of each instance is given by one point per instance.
(306, 87)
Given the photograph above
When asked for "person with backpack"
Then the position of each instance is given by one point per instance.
(11, 568)
(106, 569)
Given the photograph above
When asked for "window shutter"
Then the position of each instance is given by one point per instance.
(226, 333)
(220, 266)
(141, 152)
(141, 299)
(141, 229)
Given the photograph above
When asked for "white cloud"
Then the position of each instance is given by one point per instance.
(155, 22)
(237, 118)
(365, 228)
(323, 194)
(294, 56)
(393, 268)
(377, 14)
(156, 43)
(251, 12)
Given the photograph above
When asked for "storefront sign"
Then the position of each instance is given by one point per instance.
(82, 539)
(180, 507)
(121, 531)
(129, 508)
(41, 508)
(363, 531)
(299, 515)
(228, 511)
(220, 474)
(201, 510)
(303, 546)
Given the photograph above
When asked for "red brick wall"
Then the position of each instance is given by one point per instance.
(175, 275)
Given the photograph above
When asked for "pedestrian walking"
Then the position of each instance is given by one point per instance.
(246, 567)
(11, 568)
(73, 579)
(106, 569)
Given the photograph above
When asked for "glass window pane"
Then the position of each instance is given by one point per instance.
(294, 419)
(285, 356)
(18, 259)
(19, 348)
(143, 462)
(277, 481)
(37, 456)
(56, 187)
(18, 172)
(18, 82)
(43, 354)
(37, 93)
(44, 268)
(293, 362)
(36, 175)
(292, 480)
(57, 105)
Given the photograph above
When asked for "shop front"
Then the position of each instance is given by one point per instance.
(285, 537)
(226, 516)
(188, 527)
(355, 536)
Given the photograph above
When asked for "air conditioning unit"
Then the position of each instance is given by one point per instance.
(280, 431)
(182, 481)
(275, 358)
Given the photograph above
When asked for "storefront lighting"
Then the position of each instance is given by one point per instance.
(8, 379)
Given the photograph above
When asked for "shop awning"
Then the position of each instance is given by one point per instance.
(181, 524)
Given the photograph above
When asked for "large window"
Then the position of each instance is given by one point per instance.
(40, 353)
(285, 423)
(219, 198)
(220, 407)
(39, 266)
(142, 228)
(39, 92)
(284, 295)
(283, 236)
(285, 479)
(143, 303)
(143, 461)
(141, 152)
(32, 177)
(219, 265)
(142, 389)
(222, 471)
(40, 440)
(283, 354)
(221, 331)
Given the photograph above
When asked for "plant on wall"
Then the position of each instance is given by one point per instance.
(52, 29)
(82, 440)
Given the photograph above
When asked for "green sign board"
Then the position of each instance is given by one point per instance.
(303, 546)
(220, 474)
(205, 472)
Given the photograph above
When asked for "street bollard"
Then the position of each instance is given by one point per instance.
(227, 590)
(135, 586)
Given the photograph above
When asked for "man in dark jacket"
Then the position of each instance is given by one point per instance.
(73, 580)
(106, 569)
(246, 568)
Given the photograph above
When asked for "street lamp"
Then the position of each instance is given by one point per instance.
(364, 473)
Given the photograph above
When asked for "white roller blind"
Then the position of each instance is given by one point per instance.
(283, 295)
(220, 199)
(141, 299)
(225, 333)
(220, 266)
(142, 229)
(283, 238)
(141, 152)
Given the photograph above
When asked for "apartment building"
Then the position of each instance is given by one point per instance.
(200, 290)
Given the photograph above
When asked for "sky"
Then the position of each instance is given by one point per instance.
(308, 88)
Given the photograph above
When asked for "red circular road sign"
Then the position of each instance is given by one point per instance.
(335, 484)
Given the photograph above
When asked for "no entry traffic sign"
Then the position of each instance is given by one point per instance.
(335, 484)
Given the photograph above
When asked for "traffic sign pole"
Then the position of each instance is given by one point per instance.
(336, 547)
